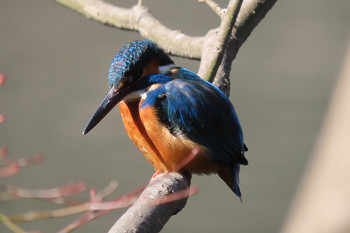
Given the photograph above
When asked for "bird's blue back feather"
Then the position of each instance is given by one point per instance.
(201, 112)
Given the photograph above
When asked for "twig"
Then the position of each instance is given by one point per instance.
(9, 170)
(3, 149)
(11, 167)
(214, 6)
(86, 206)
(123, 201)
(10, 225)
(64, 191)
(2, 118)
(2, 78)
(23, 162)
(113, 185)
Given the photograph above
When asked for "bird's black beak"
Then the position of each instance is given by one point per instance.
(113, 97)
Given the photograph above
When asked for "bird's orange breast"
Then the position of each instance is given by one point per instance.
(162, 149)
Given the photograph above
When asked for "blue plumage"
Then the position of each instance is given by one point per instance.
(200, 111)
(182, 105)
(131, 59)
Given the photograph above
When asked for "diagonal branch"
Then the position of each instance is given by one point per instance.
(146, 216)
(250, 14)
(217, 44)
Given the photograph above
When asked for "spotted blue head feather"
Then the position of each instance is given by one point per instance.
(127, 66)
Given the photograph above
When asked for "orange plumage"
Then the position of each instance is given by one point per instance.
(162, 149)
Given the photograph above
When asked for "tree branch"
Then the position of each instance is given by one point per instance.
(250, 14)
(217, 42)
(220, 44)
(146, 215)
(138, 18)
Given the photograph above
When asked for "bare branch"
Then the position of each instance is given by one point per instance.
(217, 49)
(146, 216)
(250, 14)
(215, 52)
(139, 18)
(10, 225)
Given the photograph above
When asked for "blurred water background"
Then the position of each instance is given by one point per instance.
(56, 63)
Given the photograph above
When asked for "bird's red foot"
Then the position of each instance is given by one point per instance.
(156, 174)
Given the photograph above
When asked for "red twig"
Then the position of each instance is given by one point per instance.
(188, 159)
(2, 79)
(3, 152)
(2, 118)
(98, 209)
(24, 162)
(9, 170)
(64, 191)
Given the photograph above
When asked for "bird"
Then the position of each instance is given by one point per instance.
(168, 111)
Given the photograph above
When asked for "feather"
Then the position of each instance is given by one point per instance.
(201, 112)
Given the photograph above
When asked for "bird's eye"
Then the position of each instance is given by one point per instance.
(130, 79)
(124, 82)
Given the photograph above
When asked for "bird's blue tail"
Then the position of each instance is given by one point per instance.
(235, 172)
(230, 174)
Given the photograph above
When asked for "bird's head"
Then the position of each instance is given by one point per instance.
(133, 62)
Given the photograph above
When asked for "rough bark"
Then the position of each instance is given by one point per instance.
(147, 214)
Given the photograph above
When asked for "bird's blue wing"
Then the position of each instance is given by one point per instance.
(199, 111)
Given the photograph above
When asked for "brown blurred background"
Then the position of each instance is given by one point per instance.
(56, 63)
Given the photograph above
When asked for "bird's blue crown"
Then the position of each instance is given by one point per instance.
(127, 66)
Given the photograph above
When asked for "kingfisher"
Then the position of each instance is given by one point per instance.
(168, 111)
